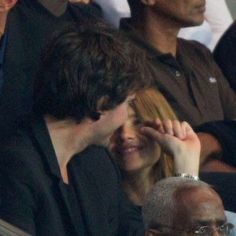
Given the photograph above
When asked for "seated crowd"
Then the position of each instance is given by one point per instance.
(108, 131)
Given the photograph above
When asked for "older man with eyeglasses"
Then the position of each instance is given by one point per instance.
(184, 207)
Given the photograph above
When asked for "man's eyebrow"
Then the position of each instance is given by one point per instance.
(202, 222)
(209, 222)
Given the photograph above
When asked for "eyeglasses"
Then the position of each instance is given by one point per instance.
(223, 230)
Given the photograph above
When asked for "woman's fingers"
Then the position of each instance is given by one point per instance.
(180, 130)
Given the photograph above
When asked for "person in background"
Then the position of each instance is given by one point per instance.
(208, 33)
(56, 175)
(184, 70)
(182, 206)
(153, 145)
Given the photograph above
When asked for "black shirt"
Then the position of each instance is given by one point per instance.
(75, 208)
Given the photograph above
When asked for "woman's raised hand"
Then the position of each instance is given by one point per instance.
(178, 140)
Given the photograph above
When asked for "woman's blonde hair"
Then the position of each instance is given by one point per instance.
(150, 104)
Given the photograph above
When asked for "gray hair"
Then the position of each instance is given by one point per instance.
(160, 204)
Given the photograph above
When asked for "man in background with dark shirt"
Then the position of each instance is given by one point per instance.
(184, 71)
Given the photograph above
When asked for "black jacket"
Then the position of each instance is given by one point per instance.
(33, 196)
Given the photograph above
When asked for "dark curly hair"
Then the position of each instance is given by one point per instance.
(84, 63)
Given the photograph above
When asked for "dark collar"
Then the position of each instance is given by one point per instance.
(126, 26)
(43, 143)
(84, 181)
(153, 53)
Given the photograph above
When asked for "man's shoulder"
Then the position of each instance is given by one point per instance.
(16, 146)
(19, 161)
(192, 45)
(19, 148)
(197, 53)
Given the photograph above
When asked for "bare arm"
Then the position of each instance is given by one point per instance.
(210, 149)
(214, 165)
(209, 146)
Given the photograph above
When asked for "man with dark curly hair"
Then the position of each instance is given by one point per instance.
(57, 178)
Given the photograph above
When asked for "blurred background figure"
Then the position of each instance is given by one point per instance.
(217, 20)
(181, 206)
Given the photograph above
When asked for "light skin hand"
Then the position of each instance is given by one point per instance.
(177, 139)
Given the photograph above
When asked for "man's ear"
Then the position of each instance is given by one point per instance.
(152, 232)
(148, 2)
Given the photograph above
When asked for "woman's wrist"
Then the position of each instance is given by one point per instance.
(187, 176)
(187, 163)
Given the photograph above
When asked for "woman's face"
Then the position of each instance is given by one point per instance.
(131, 150)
